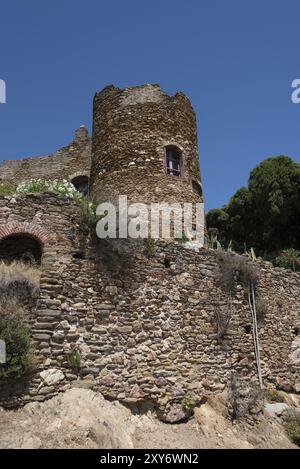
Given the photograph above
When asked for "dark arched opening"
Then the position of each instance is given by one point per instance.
(81, 184)
(21, 247)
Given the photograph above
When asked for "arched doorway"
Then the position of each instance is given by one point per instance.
(21, 247)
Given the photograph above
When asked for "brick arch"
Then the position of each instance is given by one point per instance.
(31, 229)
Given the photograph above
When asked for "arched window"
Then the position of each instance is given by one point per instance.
(21, 247)
(81, 184)
(173, 161)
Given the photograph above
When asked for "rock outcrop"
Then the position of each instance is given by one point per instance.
(81, 418)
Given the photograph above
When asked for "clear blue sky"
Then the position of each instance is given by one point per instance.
(235, 59)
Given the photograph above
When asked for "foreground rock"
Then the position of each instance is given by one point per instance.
(80, 418)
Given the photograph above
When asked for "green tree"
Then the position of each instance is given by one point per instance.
(265, 215)
(275, 189)
(240, 221)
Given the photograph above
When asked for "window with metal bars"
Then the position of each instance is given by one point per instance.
(173, 161)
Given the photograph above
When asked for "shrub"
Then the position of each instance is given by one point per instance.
(6, 189)
(228, 267)
(188, 403)
(222, 320)
(261, 305)
(247, 272)
(272, 395)
(63, 187)
(236, 268)
(19, 282)
(14, 332)
(292, 427)
(74, 359)
(149, 247)
(288, 259)
(87, 217)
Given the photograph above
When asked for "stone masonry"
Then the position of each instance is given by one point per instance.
(131, 130)
(143, 318)
(71, 161)
(144, 321)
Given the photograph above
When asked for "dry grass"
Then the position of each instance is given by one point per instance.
(19, 282)
(235, 268)
(19, 288)
(9, 306)
(17, 268)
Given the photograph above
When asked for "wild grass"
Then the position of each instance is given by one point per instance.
(235, 268)
(272, 395)
(8, 272)
(292, 426)
(19, 281)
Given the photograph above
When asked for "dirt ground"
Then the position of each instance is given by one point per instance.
(81, 418)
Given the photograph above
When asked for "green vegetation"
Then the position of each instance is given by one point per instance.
(264, 215)
(182, 239)
(288, 259)
(188, 403)
(292, 426)
(149, 247)
(63, 187)
(14, 332)
(74, 359)
(272, 395)
(18, 282)
(87, 217)
(6, 189)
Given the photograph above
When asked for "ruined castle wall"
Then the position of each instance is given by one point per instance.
(144, 321)
(70, 161)
(131, 129)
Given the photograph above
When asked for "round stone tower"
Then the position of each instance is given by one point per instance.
(144, 146)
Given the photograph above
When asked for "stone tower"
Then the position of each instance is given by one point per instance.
(144, 146)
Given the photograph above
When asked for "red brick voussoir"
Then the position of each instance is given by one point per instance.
(35, 231)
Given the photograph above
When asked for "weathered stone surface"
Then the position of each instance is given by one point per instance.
(52, 376)
(68, 162)
(81, 418)
(295, 355)
(132, 128)
(176, 414)
(277, 409)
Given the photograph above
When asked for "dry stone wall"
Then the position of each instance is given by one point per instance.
(144, 320)
(69, 162)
